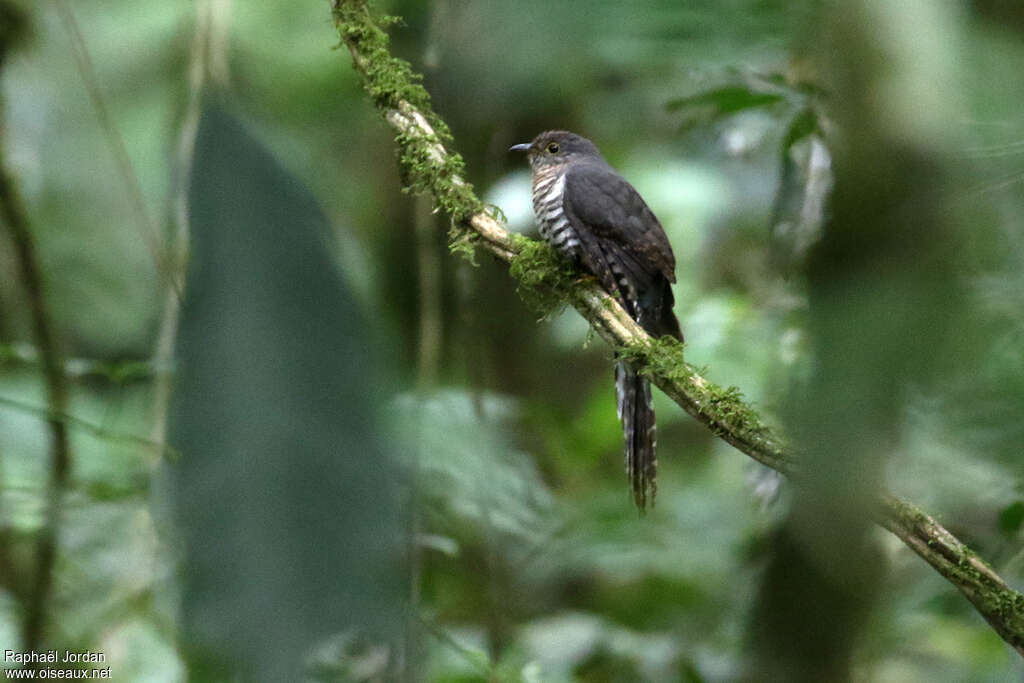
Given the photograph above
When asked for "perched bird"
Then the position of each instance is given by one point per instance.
(592, 216)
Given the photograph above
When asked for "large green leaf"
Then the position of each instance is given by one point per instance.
(284, 491)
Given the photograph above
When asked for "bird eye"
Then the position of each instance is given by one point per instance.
(552, 147)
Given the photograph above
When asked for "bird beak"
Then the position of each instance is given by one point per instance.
(522, 147)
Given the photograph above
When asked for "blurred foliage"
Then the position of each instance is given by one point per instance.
(532, 564)
(283, 467)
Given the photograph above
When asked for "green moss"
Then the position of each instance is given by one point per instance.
(390, 81)
(663, 357)
(495, 212)
(1010, 605)
(991, 598)
(544, 278)
(723, 409)
(463, 242)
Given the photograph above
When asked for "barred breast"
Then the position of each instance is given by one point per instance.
(548, 189)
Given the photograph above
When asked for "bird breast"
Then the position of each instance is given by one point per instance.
(548, 208)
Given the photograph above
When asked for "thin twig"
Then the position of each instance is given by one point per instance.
(721, 412)
(117, 372)
(39, 592)
(473, 657)
(148, 228)
(96, 430)
(208, 63)
(427, 362)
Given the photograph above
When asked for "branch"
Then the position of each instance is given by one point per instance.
(429, 166)
(39, 593)
(98, 431)
(117, 372)
(148, 229)
(208, 66)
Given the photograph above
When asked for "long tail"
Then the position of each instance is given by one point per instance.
(636, 411)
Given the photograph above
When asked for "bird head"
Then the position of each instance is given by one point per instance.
(555, 148)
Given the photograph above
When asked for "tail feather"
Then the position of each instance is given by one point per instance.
(636, 411)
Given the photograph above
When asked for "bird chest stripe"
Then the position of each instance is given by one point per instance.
(548, 194)
(554, 195)
(543, 183)
(564, 237)
(547, 206)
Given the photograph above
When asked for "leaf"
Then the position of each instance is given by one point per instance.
(793, 232)
(1011, 517)
(725, 100)
(285, 493)
(800, 126)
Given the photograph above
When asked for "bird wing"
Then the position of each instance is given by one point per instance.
(600, 202)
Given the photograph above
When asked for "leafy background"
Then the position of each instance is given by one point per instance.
(532, 564)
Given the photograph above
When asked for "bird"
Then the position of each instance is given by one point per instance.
(595, 219)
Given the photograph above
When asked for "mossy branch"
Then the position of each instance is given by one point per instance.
(429, 165)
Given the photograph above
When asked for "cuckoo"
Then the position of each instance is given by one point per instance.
(593, 217)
